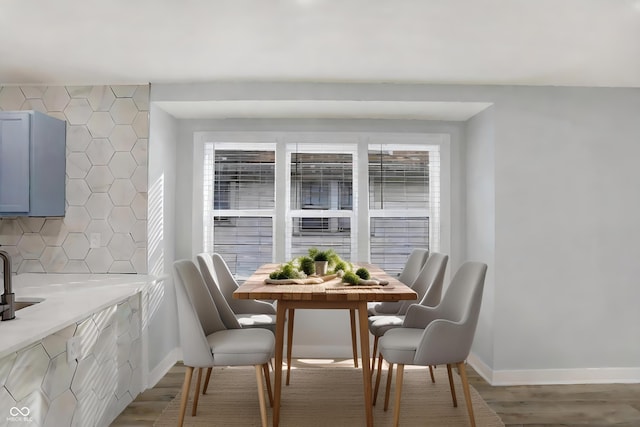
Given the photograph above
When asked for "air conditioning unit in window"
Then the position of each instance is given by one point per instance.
(221, 221)
(314, 224)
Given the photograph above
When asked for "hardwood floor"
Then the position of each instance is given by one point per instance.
(594, 405)
(562, 405)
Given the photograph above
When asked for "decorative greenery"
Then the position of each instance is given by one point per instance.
(351, 278)
(287, 271)
(363, 273)
(303, 266)
(341, 266)
(335, 262)
(307, 266)
(320, 255)
(334, 258)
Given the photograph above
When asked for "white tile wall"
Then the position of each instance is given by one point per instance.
(91, 391)
(107, 138)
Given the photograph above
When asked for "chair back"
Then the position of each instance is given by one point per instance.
(462, 299)
(412, 267)
(428, 285)
(225, 280)
(196, 351)
(209, 276)
(460, 306)
(199, 296)
(228, 284)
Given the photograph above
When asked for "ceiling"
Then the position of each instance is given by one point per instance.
(520, 42)
(492, 42)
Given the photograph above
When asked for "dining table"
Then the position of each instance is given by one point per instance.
(332, 293)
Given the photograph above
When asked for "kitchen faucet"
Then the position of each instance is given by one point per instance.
(8, 298)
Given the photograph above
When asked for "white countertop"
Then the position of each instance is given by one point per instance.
(68, 298)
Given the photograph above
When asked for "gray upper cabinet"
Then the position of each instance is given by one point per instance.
(32, 164)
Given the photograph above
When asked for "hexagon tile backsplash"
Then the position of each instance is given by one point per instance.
(51, 391)
(105, 226)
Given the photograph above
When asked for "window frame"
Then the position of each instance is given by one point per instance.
(336, 147)
(311, 140)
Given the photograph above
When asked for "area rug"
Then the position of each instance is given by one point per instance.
(329, 396)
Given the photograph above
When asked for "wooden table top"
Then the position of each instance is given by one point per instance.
(333, 290)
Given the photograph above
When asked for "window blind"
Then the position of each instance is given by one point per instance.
(321, 201)
(404, 201)
(239, 197)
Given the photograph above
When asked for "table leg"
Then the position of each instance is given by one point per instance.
(354, 340)
(280, 316)
(290, 318)
(364, 350)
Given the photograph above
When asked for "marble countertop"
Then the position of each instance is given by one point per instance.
(65, 299)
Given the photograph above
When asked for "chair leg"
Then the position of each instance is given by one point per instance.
(354, 340)
(433, 379)
(267, 378)
(378, 375)
(206, 380)
(388, 390)
(452, 386)
(396, 410)
(373, 355)
(186, 385)
(194, 409)
(467, 394)
(291, 314)
(263, 406)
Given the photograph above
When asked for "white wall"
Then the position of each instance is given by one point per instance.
(163, 325)
(564, 267)
(480, 220)
(567, 208)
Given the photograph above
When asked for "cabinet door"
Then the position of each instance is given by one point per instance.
(14, 162)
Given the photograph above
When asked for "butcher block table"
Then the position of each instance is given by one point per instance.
(331, 294)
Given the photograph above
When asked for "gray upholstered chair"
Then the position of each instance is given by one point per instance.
(428, 286)
(228, 317)
(412, 267)
(247, 313)
(206, 342)
(252, 314)
(438, 335)
(416, 260)
(227, 283)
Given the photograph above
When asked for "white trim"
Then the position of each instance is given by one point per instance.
(313, 141)
(163, 367)
(555, 376)
(481, 368)
(445, 197)
(197, 211)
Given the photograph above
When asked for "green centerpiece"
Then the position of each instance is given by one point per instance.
(321, 259)
(320, 263)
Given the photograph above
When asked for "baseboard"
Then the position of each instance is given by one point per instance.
(567, 376)
(481, 368)
(163, 367)
(554, 376)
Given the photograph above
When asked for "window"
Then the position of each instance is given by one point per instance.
(320, 198)
(404, 201)
(250, 216)
(238, 193)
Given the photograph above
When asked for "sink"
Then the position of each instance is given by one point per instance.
(18, 305)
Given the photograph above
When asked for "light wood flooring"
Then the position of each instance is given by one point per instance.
(598, 405)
